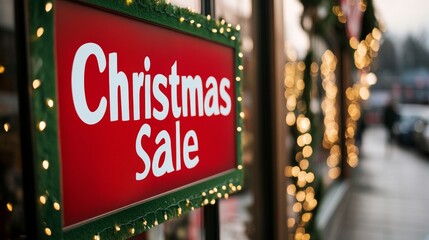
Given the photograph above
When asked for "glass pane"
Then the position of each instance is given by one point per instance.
(11, 190)
(235, 216)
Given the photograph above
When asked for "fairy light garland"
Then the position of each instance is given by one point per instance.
(364, 53)
(300, 190)
(45, 119)
(152, 219)
(331, 114)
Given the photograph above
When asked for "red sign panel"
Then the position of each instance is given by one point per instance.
(143, 110)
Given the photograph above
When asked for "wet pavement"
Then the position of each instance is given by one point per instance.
(389, 193)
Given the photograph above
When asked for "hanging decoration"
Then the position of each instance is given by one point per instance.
(303, 187)
(305, 195)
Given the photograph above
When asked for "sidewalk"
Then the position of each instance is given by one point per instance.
(389, 194)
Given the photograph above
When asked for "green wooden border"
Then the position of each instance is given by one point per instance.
(42, 91)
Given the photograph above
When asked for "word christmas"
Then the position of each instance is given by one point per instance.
(212, 99)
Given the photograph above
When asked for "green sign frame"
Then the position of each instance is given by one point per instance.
(41, 86)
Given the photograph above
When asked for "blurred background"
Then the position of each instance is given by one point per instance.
(336, 139)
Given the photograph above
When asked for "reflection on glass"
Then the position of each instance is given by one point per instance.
(11, 191)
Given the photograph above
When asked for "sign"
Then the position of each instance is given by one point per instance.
(148, 115)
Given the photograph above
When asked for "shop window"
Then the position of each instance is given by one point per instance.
(11, 187)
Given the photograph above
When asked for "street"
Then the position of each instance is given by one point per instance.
(389, 193)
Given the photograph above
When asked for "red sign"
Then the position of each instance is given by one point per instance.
(143, 110)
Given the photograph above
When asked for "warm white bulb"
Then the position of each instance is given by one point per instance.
(45, 164)
(42, 125)
(48, 7)
(40, 31)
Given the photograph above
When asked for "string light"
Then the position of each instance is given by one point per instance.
(40, 32)
(43, 199)
(9, 206)
(296, 117)
(41, 125)
(242, 115)
(6, 127)
(45, 164)
(2, 69)
(36, 83)
(57, 206)
(48, 231)
(48, 7)
(50, 102)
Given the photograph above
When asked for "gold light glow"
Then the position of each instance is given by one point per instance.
(291, 189)
(9, 206)
(304, 164)
(48, 6)
(6, 127)
(290, 222)
(297, 207)
(45, 164)
(334, 173)
(43, 199)
(300, 196)
(36, 83)
(57, 206)
(48, 231)
(40, 31)
(41, 125)
(50, 102)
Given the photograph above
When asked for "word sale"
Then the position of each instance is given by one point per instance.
(196, 101)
